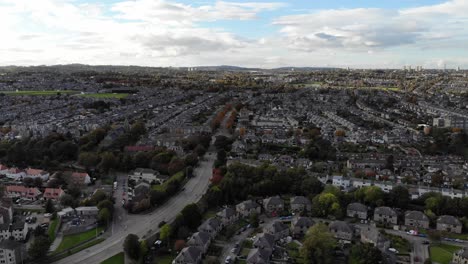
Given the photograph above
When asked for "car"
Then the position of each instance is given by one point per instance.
(393, 250)
(228, 260)
(233, 250)
(425, 242)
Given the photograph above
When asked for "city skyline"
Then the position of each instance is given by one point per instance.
(267, 34)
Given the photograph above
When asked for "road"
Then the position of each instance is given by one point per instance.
(143, 225)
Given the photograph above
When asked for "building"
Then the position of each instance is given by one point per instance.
(273, 205)
(460, 257)
(80, 178)
(416, 219)
(246, 208)
(53, 193)
(228, 216)
(341, 231)
(300, 204)
(300, 225)
(201, 240)
(449, 223)
(211, 226)
(189, 255)
(278, 229)
(259, 256)
(12, 252)
(20, 191)
(385, 215)
(356, 210)
(141, 174)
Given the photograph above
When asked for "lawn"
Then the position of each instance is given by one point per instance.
(116, 259)
(105, 95)
(166, 259)
(38, 93)
(73, 240)
(442, 253)
(293, 252)
(402, 245)
(176, 177)
(52, 226)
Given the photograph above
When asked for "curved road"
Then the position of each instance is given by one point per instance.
(143, 225)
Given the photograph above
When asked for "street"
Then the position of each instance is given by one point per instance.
(143, 225)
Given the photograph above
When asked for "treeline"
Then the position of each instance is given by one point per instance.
(216, 123)
(47, 152)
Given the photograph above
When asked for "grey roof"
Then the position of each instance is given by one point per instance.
(340, 226)
(265, 240)
(463, 253)
(142, 170)
(359, 207)
(384, 210)
(249, 204)
(416, 215)
(259, 256)
(275, 200)
(203, 237)
(212, 222)
(302, 221)
(278, 226)
(448, 219)
(10, 244)
(300, 200)
(226, 213)
(189, 254)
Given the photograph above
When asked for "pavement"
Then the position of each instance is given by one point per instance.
(145, 225)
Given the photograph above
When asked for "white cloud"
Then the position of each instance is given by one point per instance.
(168, 33)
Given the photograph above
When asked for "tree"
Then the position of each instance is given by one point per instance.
(67, 200)
(200, 150)
(106, 204)
(165, 232)
(104, 216)
(143, 248)
(318, 245)
(132, 246)
(39, 231)
(366, 254)
(253, 220)
(192, 216)
(39, 247)
(399, 197)
(434, 235)
(49, 206)
(325, 204)
(38, 182)
(157, 197)
(108, 162)
(88, 159)
(179, 245)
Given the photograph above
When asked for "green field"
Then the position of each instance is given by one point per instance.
(73, 240)
(443, 253)
(38, 93)
(116, 259)
(52, 226)
(166, 259)
(105, 95)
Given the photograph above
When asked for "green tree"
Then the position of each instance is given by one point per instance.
(49, 206)
(165, 232)
(365, 254)
(104, 216)
(192, 216)
(326, 204)
(88, 159)
(108, 162)
(39, 248)
(132, 246)
(399, 197)
(253, 220)
(143, 248)
(318, 245)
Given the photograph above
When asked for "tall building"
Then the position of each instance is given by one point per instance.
(12, 252)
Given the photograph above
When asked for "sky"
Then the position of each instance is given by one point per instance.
(267, 34)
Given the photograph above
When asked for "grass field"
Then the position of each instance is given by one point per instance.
(116, 259)
(442, 253)
(105, 95)
(52, 227)
(38, 93)
(166, 259)
(73, 240)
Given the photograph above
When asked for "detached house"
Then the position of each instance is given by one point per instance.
(228, 216)
(300, 225)
(80, 178)
(211, 226)
(259, 256)
(449, 223)
(385, 214)
(273, 205)
(300, 204)
(341, 230)
(189, 255)
(416, 219)
(278, 229)
(246, 208)
(201, 240)
(357, 210)
(35, 173)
